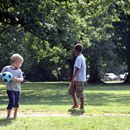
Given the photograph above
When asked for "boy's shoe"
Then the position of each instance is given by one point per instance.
(8, 117)
(82, 110)
(15, 117)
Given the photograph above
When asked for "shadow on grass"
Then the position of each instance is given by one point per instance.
(3, 97)
(95, 99)
(107, 86)
(76, 113)
(56, 94)
(101, 99)
(6, 122)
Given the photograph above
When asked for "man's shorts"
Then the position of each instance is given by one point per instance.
(78, 88)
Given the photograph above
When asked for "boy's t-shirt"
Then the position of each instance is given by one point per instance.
(14, 86)
(80, 63)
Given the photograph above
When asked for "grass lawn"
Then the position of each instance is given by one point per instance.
(52, 98)
(72, 123)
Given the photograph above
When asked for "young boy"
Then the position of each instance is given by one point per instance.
(78, 79)
(14, 88)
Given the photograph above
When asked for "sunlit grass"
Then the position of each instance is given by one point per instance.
(67, 123)
(53, 98)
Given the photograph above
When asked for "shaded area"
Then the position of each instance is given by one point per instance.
(6, 122)
(56, 94)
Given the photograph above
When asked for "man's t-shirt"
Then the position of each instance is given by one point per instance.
(80, 63)
(14, 86)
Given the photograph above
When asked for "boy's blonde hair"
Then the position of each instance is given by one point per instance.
(16, 57)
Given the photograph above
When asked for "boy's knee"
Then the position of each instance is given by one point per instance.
(16, 105)
(11, 104)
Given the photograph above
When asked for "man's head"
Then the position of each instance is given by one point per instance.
(78, 49)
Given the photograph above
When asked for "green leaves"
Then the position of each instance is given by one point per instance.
(44, 32)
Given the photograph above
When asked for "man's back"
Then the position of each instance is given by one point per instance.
(80, 63)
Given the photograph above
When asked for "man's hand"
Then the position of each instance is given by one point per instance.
(72, 81)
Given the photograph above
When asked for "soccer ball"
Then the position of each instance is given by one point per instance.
(6, 77)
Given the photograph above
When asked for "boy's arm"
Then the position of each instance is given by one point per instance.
(20, 80)
(15, 79)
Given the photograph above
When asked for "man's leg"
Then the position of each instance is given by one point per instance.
(74, 96)
(82, 102)
(80, 94)
(75, 101)
(72, 92)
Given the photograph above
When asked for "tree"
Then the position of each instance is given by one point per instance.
(122, 31)
(101, 59)
(41, 30)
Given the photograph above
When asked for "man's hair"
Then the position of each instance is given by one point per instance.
(78, 47)
(16, 57)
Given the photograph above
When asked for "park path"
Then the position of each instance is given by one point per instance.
(2, 115)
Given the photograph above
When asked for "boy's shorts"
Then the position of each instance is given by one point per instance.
(78, 88)
(14, 98)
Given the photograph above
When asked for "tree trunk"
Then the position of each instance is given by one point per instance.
(94, 71)
(94, 75)
(124, 28)
(127, 45)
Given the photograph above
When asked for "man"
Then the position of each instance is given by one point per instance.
(78, 79)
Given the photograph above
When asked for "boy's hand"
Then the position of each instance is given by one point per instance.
(15, 79)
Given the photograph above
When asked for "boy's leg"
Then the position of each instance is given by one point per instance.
(16, 106)
(8, 113)
(15, 112)
(11, 102)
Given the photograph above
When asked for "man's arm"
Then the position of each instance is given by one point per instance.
(77, 65)
(76, 72)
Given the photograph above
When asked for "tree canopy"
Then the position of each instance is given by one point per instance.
(44, 32)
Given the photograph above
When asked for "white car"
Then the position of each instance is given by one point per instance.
(110, 76)
(123, 76)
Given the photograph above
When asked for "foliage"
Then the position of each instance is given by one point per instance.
(44, 32)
